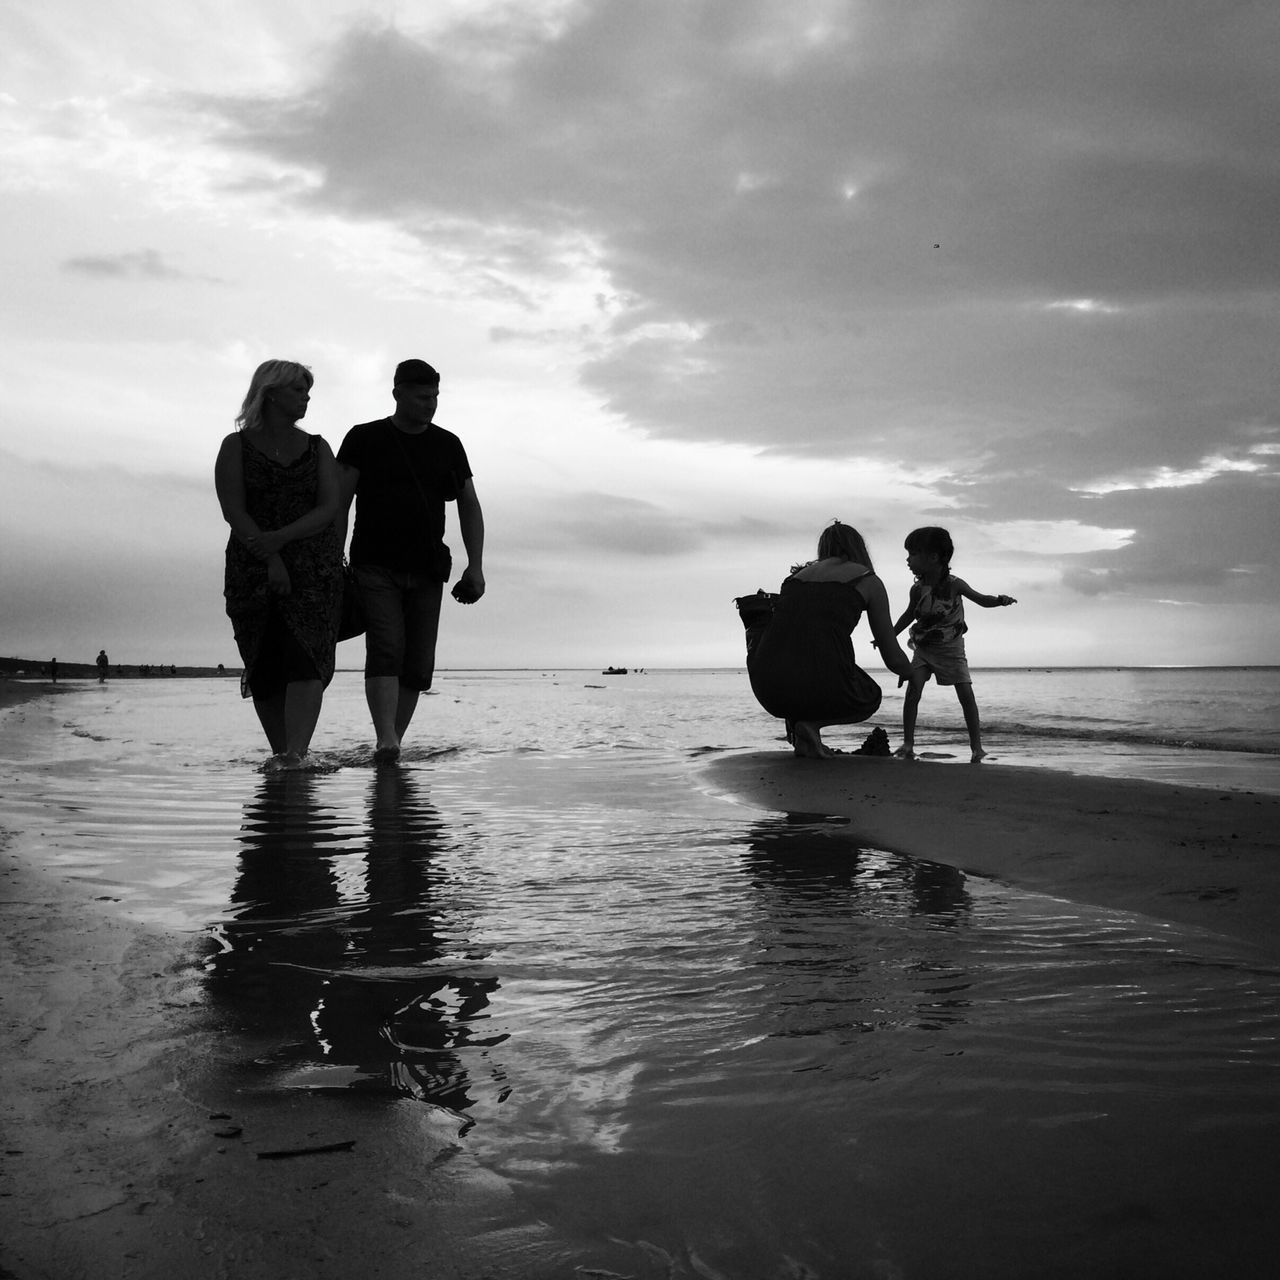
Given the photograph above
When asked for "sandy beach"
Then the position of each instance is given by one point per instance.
(125, 1152)
(128, 1152)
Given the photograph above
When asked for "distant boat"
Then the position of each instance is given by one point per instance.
(614, 671)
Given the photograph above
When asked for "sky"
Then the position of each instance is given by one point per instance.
(699, 276)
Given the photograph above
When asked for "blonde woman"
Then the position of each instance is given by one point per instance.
(278, 488)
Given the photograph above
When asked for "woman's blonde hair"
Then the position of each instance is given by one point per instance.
(266, 377)
(844, 541)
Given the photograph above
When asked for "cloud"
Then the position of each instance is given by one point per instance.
(742, 184)
(142, 264)
(1028, 248)
(1204, 539)
(1165, 477)
(596, 524)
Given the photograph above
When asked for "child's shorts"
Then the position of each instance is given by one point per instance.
(946, 663)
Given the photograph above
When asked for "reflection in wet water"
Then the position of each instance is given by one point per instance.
(823, 899)
(684, 1038)
(335, 959)
(803, 856)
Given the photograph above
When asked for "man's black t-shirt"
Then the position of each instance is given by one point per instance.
(405, 480)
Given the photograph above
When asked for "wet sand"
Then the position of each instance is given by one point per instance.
(130, 1151)
(127, 1151)
(1200, 857)
(15, 692)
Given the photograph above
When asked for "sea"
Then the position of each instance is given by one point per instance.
(638, 1028)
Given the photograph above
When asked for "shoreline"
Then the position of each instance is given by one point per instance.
(1195, 856)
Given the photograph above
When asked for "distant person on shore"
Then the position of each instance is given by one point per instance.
(53, 670)
(103, 664)
(401, 471)
(278, 487)
(935, 612)
(801, 663)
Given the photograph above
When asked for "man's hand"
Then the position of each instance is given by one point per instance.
(469, 587)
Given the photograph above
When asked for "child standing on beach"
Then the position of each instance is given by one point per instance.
(936, 614)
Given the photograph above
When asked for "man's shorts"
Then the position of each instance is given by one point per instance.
(402, 618)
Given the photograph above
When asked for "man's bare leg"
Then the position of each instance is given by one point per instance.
(382, 693)
(406, 705)
(391, 705)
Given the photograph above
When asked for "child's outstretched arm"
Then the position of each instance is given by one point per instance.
(987, 602)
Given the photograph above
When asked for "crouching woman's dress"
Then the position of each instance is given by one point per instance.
(801, 665)
(292, 637)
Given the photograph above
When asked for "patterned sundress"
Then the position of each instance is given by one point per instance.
(277, 494)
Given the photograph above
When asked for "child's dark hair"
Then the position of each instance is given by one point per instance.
(934, 540)
(931, 540)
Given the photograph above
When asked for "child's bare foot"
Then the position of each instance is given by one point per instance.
(905, 753)
(978, 756)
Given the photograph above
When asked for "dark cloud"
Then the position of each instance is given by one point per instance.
(1027, 246)
(583, 523)
(605, 522)
(1212, 542)
(142, 264)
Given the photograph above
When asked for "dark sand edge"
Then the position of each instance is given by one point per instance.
(15, 692)
(1194, 856)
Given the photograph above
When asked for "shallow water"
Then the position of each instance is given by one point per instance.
(680, 1036)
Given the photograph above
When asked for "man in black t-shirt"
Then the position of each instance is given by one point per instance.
(401, 471)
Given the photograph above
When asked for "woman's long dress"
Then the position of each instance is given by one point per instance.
(802, 667)
(277, 494)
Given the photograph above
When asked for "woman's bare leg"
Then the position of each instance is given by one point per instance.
(808, 741)
(271, 717)
(302, 701)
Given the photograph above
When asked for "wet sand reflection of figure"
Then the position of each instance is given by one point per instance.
(826, 900)
(337, 962)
